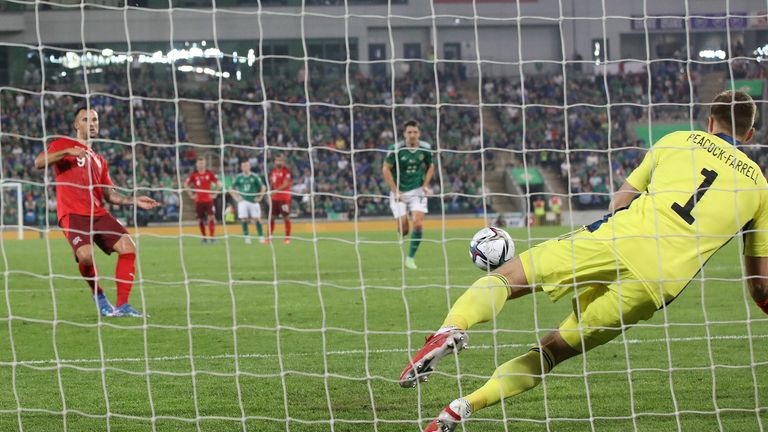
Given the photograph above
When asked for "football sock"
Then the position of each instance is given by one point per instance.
(201, 224)
(245, 229)
(259, 229)
(415, 242)
(445, 329)
(124, 273)
(513, 377)
(271, 227)
(287, 227)
(89, 274)
(212, 227)
(480, 303)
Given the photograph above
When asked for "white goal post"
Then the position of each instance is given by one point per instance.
(19, 226)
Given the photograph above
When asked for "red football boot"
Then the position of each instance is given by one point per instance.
(449, 417)
(435, 348)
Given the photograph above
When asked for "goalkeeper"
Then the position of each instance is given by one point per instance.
(693, 191)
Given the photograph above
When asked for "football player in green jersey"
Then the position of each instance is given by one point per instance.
(408, 169)
(248, 190)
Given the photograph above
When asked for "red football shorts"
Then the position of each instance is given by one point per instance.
(81, 230)
(204, 209)
(280, 207)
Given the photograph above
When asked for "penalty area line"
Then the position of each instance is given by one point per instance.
(338, 353)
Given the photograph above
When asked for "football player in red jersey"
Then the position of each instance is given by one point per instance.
(82, 183)
(201, 181)
(280, 182)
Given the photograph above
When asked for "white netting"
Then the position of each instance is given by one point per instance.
(546, 99)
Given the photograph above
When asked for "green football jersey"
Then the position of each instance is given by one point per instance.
(248, 186)
(411, 165)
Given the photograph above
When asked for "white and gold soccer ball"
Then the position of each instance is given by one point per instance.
(490, 248)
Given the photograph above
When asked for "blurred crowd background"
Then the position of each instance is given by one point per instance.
(335, 132)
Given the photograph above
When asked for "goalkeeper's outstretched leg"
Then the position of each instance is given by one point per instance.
(600, 316)
(479, 304)
(601, 311)
(512, 378)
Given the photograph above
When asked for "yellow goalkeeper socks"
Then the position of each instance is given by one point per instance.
(513, 377)
(480, 303)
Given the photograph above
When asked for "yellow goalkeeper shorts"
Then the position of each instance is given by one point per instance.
(607, 296)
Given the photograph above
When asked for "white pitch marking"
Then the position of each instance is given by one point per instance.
(176, 284)
(341, 353)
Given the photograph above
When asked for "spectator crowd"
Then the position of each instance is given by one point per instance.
(335, 133)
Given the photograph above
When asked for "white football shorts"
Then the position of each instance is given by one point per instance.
(248, 210)
(411, 201)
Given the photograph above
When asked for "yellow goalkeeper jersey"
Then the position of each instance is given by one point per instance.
(698, 191)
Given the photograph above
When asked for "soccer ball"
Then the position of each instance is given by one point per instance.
(490, 248)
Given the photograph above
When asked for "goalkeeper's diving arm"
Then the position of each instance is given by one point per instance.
(623, 197)
(756, 270)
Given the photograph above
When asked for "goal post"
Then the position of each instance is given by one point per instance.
(12, 198)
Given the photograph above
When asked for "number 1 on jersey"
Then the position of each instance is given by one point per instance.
(686, 210)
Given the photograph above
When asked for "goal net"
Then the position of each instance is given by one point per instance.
(535, 112)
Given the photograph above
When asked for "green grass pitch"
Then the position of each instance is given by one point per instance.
(239, 344)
